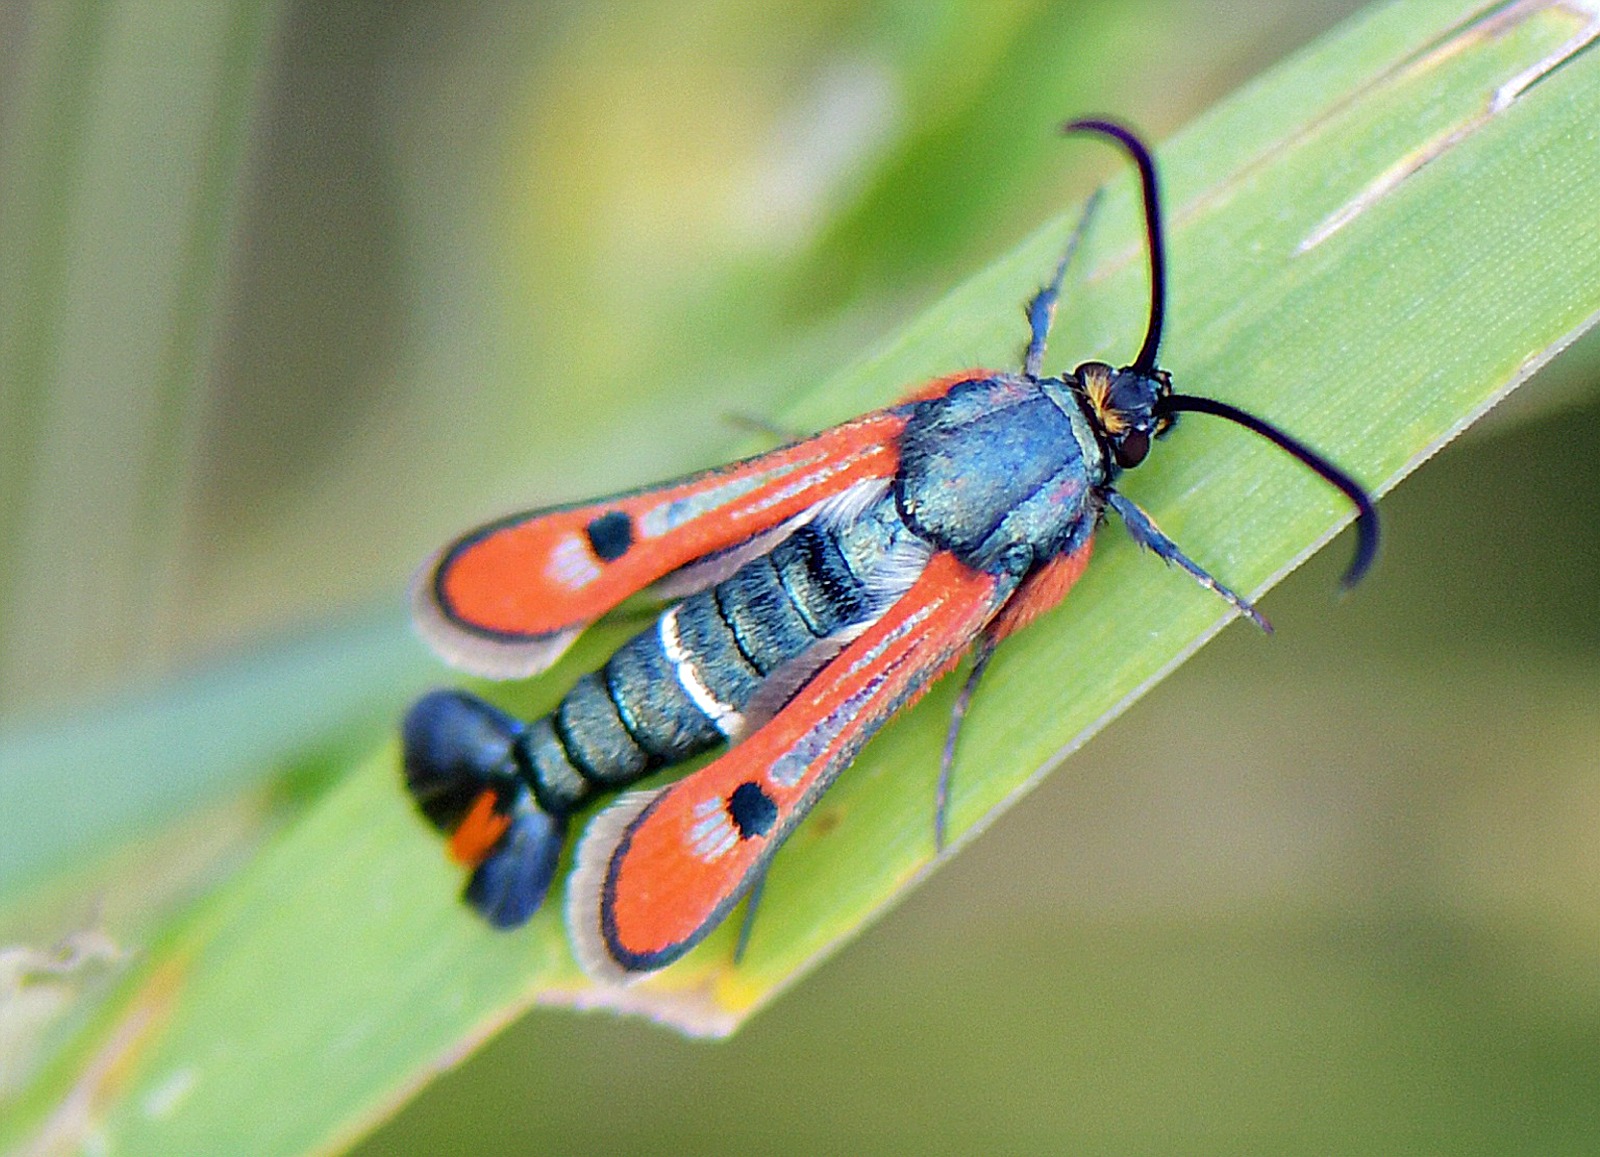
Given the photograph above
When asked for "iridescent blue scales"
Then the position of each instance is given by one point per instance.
(711, 668)
(821, 587)
(996, 471)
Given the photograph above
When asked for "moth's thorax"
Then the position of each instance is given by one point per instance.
(1004, 472)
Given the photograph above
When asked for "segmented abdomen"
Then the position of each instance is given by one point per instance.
(684, 684)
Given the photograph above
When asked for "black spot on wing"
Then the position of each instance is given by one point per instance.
(610, 535)
(752, 810)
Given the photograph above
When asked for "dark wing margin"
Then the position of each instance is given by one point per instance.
(507, 599)
(658, 870)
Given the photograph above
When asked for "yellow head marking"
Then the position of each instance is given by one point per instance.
(1097, 388)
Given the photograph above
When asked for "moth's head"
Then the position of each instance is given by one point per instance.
(1124, 408)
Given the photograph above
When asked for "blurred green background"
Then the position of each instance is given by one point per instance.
(343, 279)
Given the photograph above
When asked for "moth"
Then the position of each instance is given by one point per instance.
(816, 590)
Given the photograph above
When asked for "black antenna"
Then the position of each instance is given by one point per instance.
(1170, 404)
(1366, 513)
(1145, 363)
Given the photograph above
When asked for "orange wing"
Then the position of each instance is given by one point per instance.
(506, 599)
(659, 869)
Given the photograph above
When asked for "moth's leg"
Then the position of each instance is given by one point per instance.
(958, 713)
(1042, 309)
(748, 923)
(1148, 535)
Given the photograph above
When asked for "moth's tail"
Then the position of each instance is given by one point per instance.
(461, 768)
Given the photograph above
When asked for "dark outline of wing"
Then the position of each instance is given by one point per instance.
(505, 600)
(793, 759)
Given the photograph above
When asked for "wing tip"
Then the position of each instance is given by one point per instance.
(586, 886)
(476, 651)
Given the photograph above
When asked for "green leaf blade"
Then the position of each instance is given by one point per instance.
(339, 968)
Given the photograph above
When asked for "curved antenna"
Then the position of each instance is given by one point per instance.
(1145, 363)
(1366, 513)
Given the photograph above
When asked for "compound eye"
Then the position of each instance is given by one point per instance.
(1131, 448)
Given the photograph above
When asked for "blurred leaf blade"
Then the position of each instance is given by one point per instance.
(194, 740)
(126, 139)
(341, 955)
